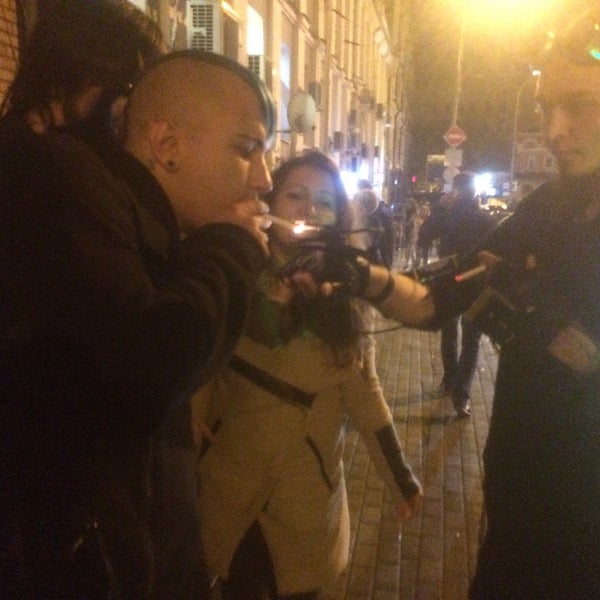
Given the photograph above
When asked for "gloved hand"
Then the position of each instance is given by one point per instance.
(513, 308)
(450, 296)
(330, 260)
(444, 268)
(521, 307)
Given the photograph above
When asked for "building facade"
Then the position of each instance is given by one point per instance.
(349, 56)
(9, 44)
(533, 164)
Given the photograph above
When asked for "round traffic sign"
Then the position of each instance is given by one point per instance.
(455, 136)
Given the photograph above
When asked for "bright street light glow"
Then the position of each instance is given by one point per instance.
(509, 16)
(483, 184)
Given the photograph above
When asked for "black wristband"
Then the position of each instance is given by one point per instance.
(361, 270)
(385, 293)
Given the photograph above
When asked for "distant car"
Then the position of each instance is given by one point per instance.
(493, 203)
(497, 207)
(499, 213)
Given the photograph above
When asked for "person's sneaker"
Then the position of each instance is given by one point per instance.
(463, 412)
(462, 408)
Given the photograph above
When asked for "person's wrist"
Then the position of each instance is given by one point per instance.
(362, 271)
(377, 296)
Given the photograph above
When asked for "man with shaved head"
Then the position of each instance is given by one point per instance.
(136, 266)
(201, 124)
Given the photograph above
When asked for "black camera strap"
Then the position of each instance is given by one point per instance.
(282, 389)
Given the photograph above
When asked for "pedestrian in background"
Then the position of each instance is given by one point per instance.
(375, 224)
(459, 226)
(423, 243)
(416, 215)
(272, 489)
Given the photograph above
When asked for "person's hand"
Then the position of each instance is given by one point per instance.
(492, 261)
(320, 268)
(304, 284)
(569, 344)
(200, 432)
(575, 349)
(409, 508)
(251, 215)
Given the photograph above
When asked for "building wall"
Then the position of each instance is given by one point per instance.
(344, 51)
(8, 43)
(533, 164)
(339, 50)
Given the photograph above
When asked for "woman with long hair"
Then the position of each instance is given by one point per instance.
(272, 490)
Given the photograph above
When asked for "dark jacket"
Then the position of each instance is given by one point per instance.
(381, 222)
(109, 321)
(459, 229)
(542, 457)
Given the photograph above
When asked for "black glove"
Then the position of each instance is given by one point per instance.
(328, 259)
(443, 269)
(450, 297)
(514, 308)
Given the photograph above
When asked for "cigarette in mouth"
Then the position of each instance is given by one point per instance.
(465, 275)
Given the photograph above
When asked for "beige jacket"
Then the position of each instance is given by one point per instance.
(278, 460)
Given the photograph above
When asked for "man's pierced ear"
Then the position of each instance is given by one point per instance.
(164, 145)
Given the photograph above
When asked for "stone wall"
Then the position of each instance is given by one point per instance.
(8, 43)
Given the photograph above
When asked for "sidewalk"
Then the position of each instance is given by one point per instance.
(434, 557)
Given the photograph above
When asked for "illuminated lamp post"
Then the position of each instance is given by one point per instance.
(506, 18)
(515, 132)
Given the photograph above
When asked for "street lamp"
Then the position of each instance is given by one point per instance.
(459, 74)
(515, 132)
(455, 135)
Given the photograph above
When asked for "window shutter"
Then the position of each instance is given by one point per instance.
(204, 26)
(256, 63)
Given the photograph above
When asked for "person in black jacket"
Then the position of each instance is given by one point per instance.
(459, 225)
(535, 292)
(113, 309)
(191, 90)
(375, 223)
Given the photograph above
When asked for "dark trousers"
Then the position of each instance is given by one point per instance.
(251, 574)
(180, 569)
(534, 564)
(459, 369)
(59, 545)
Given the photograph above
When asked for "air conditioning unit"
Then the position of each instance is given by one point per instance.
(256, 63)
(204, 29)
